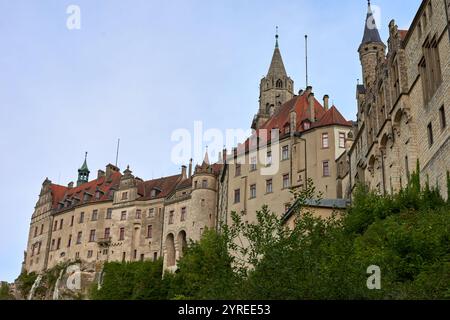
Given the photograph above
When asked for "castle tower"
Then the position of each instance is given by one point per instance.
(83, 172)
(371, 49)
(275, 89)
(204, 195)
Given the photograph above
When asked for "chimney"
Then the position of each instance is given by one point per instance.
(100, 174)
(311, 110)
(308, 90)
(110, 169)
(300, 92)
(190, 168)
(326, 99)
(183, 173)
(70, 185)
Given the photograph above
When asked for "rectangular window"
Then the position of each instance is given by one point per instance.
(142, 257)
(124, 255)
(107, 233)
(53, 245)
(77, 255)
(55, 226)
(155, 256)
(79, 235)
(430, 135)
(269, 187)
(253, 164)
(123, 216)
(94, 215)
(109, 213)
(122, 234)
(442, 118)
(81, 217)
(238, 170)
(42, 229)
(237, 196)
(341, 139)
(204, 184)
(134, 254)
(124, 195)
(325, 143)
(285, 153)
(35, 231)
(150, 231)
(269, 158)
(430, 69)
(90, 254)
(138, 213)
(171, 215)
(71, 221)
(61, 222)
(58, 244)
(69, 243)
(326, 168)
(92, 236)
(151, 213)
(183, 214)
(253, 191)
(286, 183)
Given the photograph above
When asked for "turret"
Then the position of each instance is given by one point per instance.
(204, 195)
(370, 49)
(83, 172)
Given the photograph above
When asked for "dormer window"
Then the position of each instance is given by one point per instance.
(124, 195)
(287, 129)
(153, 193)
(306, 125)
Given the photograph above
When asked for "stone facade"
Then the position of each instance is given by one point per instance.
(403, 105)
(401, 119)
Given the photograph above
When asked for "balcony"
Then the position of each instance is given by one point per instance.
(104, 242)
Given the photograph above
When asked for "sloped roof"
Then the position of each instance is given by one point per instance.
(164, 185)
(371, 34)
(61, 193)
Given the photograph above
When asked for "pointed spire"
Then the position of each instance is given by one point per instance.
(371, 33)
(277, 68)
(206, 158)
(83, 172)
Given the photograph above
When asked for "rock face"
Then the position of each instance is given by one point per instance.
(65, 282)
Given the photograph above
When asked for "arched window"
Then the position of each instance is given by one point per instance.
(279, 83)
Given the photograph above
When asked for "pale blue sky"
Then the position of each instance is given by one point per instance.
(138, 69)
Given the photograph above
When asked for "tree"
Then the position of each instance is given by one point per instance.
(205, 272)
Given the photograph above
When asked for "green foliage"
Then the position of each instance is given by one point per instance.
(25, 282)
(205, 270)
(131, 281)
(4, 292)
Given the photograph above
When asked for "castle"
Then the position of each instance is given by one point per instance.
(402, 110)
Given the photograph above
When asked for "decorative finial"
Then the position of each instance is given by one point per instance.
(368, 2)
(85, 155)
(276, 38)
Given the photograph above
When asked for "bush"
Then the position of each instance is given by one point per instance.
(131, 281)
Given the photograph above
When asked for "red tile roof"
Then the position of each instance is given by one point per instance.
(164, 187)
(331, 117)
(61, 193)
(301, 106)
